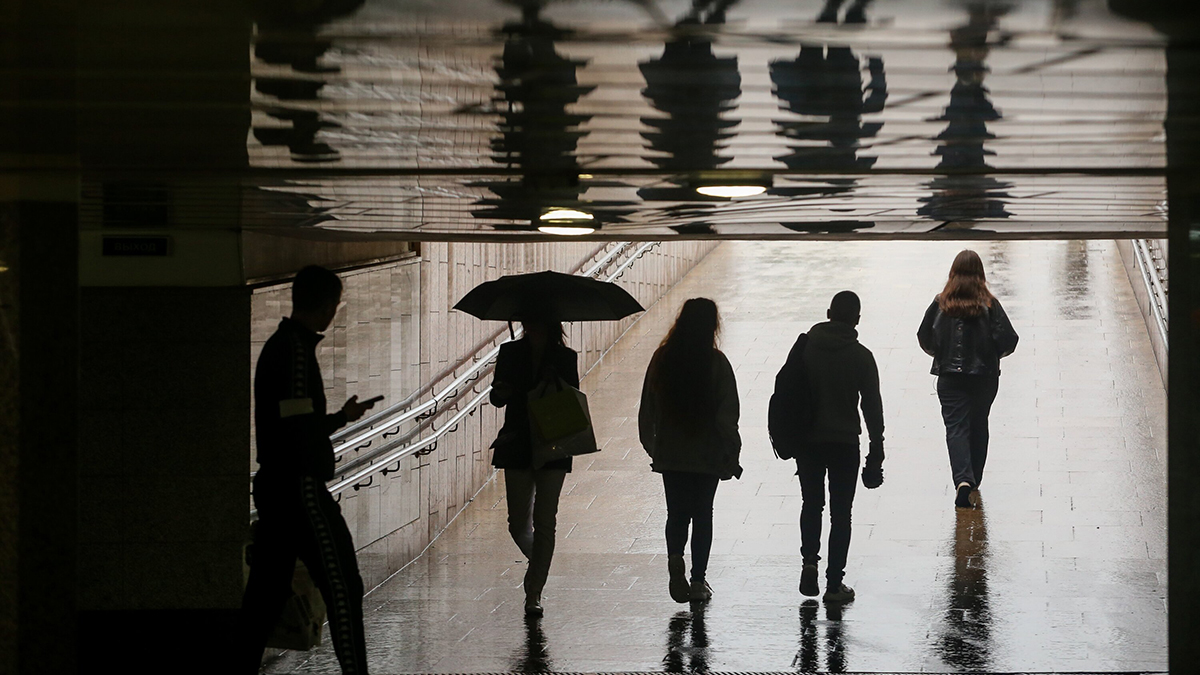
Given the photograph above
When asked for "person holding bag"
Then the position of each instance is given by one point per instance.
(688, 424)
(539, 358)
(966, 332)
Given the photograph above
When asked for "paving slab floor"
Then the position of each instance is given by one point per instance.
(1062, 568)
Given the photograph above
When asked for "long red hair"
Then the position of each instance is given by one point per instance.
(966, 293)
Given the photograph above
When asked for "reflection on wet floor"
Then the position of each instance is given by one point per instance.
(1063, 569)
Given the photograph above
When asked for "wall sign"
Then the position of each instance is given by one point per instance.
(136, 246)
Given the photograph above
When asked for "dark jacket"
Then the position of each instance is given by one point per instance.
(291, 426)
(841, 375)
(712, 448)
(967, 346)
(514, 368)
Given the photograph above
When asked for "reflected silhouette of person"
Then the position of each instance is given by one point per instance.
(841, 376)
(534, 655)
(965, 195)
(697, 90)
(688, 424)
(808, 658)
(687, 643)
(297, 517)
(966, 637)
(289, 37)
(825, 81)
(967, 332)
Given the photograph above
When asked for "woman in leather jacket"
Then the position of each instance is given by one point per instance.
(531, 492)
(966, 332)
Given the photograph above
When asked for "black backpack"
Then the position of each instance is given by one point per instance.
(790, 412)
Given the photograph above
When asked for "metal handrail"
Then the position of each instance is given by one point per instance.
(1158, 294)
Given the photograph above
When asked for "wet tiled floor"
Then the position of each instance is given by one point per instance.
(1062, 569)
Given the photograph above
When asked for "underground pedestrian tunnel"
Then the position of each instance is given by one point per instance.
(169, 170)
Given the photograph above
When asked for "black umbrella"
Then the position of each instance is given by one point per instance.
(564, 297)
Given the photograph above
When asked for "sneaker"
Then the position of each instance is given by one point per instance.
(533, 606)
(963, 499)
(842, 593)
(808, 581)
(680, 590)
(700, 591)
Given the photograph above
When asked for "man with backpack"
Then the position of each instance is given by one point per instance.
(814, 419)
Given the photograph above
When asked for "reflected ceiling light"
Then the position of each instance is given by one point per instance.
(731, 191)
(565, 215)
(566, 230)
(585, 176)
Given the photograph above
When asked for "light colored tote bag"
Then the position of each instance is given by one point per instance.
(560, 423)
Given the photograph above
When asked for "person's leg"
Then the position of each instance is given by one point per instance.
(518, 492)
(272, 564)
(810, 468)
(677, 489)
(956, 413)
(843, 463)
(547, 489)
(329, 556)
(982, 397)
(704, 491)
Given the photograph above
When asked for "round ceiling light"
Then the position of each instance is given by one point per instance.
(731, 191)
(565, 215)
(566, 230)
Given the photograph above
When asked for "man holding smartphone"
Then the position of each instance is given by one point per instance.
(297, 517)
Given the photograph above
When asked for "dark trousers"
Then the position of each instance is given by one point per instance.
(840, 461)
(966, 403)
(690, 501)
(297, 518)
(532, 496)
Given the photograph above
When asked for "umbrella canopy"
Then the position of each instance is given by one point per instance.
(564, 297)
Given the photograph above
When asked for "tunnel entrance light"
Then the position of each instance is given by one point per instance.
(731, 191)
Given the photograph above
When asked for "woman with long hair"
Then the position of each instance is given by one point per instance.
(966, 332)
(532, 492)
(688, 424)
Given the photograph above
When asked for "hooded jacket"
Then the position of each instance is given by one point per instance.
(967, 346)
(712, 448)
(841, 374)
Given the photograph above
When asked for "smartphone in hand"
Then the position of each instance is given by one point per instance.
(372, 401)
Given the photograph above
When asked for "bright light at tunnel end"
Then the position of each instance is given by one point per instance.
(731, 191)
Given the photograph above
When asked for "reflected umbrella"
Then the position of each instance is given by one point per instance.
(966, 635)
(967, 197)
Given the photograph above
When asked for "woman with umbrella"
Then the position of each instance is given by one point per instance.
(541, 302)
(532, 493)
(688, 423)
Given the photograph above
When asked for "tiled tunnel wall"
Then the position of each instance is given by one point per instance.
(397, 330)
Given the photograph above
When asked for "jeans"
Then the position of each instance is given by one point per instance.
(297, 518)
(532, 496)
(841, 461)
(966, 402)
(690, 500)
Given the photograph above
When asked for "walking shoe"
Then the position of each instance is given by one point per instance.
(700, 591)
(808, 581)
(533, 606)
(963, 499)
(680, 590)
(842, 593)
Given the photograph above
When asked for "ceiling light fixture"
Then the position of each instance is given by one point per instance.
(566, 230)
(565, 215)
(731, 191)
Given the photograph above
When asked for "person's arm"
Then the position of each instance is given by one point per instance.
(925, 335)
(728, 413)
(872, 405)
(1004, 336)
(503, 389)
(648, 414)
